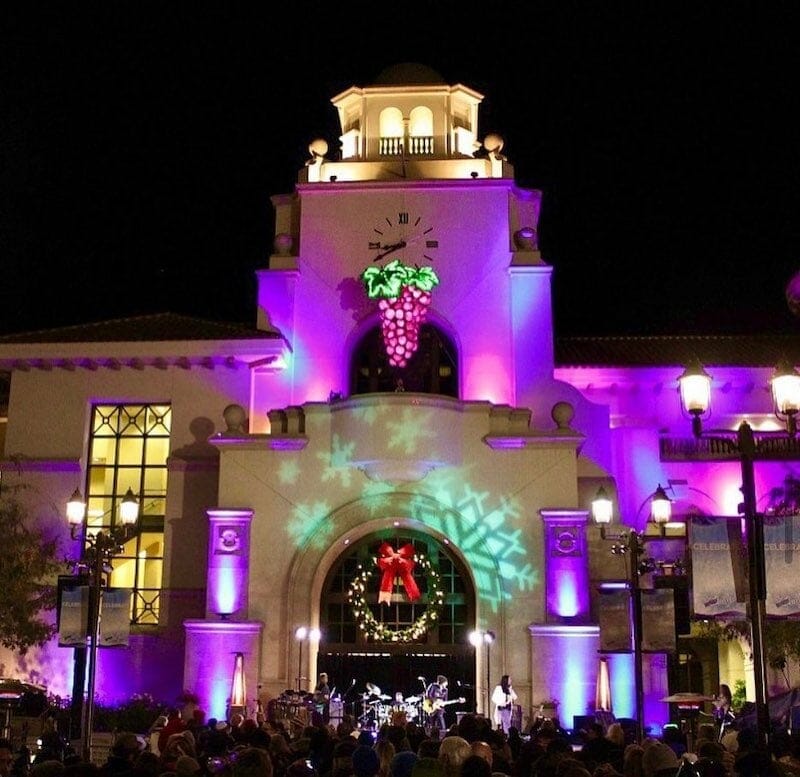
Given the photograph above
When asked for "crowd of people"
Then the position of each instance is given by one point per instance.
(474, 746)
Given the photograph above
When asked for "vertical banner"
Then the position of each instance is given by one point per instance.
(719, 566)
(73, 615)
(782, 564)
(658, 621)
(115, 617)
(615, 621)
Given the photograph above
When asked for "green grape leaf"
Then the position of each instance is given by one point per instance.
(388, 282)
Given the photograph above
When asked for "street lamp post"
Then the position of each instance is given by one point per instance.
(303, 634)
(695, 389)
(477, 638)
(100, 549)
(631, 544)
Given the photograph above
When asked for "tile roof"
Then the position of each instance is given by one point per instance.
(763, 350)
(158, 327)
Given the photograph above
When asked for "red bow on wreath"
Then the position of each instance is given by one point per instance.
(394, 564)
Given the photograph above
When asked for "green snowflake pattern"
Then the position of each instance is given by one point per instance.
(311, 525)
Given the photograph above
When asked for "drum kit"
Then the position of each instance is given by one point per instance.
(376, 711)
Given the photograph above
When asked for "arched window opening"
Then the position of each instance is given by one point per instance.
(391, 123)
(420, 122)
(391, 132)
(420, 131)
(359, 663)
(340, 629)
(433, 369)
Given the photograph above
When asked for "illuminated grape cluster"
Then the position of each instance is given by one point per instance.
(401, 319)
(372, 628)
(404, 294)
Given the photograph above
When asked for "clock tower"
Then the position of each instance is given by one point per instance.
(410, 181)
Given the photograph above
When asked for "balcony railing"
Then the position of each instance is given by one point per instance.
(722, 446)
(418, 145)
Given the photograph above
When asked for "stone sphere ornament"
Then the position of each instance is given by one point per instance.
(493, 142)
(235, 419)
(318, 147)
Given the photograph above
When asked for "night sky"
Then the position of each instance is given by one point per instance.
(141, 142)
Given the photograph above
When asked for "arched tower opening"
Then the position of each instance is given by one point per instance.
(433, 369)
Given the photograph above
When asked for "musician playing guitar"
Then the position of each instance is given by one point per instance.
(435, 698)
(322, 697)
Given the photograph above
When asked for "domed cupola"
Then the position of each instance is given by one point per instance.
(408, 125)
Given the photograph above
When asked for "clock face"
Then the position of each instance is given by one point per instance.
(403, 235)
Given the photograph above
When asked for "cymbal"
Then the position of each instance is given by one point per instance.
(412, 700)
(687, 698)
(373, 689)
(384, 697)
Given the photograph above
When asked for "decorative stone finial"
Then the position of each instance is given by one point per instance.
(235, 419)
(563, 413)
(493, 143)
(317, 148)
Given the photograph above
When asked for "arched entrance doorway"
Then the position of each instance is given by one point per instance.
(358, 661)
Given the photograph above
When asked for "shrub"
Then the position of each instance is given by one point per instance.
(739, 696)
(136, 715)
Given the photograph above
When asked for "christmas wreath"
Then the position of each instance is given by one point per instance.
(394, 565)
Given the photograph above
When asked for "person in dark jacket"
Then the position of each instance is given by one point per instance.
(123, 755)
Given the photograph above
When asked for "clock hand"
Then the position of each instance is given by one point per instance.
(390, 249)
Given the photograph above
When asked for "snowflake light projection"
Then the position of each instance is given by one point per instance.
(403, 294)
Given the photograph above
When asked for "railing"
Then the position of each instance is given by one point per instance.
(417, 146)
(722, 446)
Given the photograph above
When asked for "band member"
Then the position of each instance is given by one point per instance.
(723, 712)
(436, 694)
(503, 698)
(399, 711)
(322, 696)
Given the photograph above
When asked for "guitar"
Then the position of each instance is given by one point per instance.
(431, 705)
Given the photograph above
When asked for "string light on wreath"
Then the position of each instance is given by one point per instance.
(372, 628)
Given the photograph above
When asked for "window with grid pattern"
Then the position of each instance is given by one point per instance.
(128, 448)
